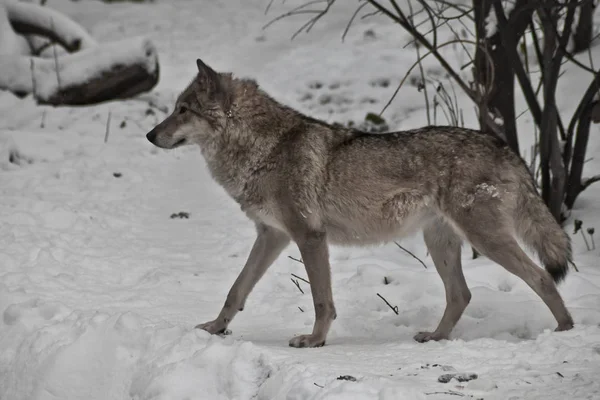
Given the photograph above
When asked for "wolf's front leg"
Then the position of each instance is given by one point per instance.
(314, 251)
(268, 246)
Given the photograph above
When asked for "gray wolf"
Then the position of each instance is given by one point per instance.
(300, 179)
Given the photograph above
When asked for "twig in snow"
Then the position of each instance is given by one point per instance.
(415, 257)
(574, 266)
(578, 227)
(299, 308)
(451, 392)
(107, 128)
(315, 383)
(136, 123)
(590, 232)
(297, 285)
(301, 278)
(43, 123)
(296, 259)
(394, 308)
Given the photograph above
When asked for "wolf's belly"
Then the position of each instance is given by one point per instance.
(364, 220)
(374, 228)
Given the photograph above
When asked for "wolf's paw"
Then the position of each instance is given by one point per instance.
(307, 341)
(214, 327)
(423, 337)
(564, 327)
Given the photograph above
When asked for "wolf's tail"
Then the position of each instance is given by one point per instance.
(539, 230)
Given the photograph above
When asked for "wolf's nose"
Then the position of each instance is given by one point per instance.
(151, 136)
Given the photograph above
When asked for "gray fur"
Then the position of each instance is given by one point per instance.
(303, 180)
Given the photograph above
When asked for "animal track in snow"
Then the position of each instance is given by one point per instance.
(32, 310)
(380, 82)
(505, 286)
(336, 96)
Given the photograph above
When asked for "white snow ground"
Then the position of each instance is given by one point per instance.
(100, 288)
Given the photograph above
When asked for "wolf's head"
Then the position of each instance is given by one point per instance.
(200, 111)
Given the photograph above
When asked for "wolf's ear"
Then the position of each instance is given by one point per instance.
(218, 89)
(206, 73)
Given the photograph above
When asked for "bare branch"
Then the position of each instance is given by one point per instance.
(297, 11)
(510, 45)
(463, 11)
(296, 259)
(393, 308)
(431, 19)
(300, 278)
(309, 25)
(415, 257)
(432, 50)
(416, 63)
(585, 183)
(269, 6)
(297, 285)
(421, 71)
(352, 20)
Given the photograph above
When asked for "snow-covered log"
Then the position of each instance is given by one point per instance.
(30, 18)
(89, 73)
(109, 71)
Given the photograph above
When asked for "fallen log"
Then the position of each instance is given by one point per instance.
(89, 73)
(114, 70)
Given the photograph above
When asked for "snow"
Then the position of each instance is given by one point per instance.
(100, 289)
(10, 43)
(491, 21)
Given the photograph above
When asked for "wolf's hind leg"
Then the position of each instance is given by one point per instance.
(444, 245)
(268, 246)
(501, 247)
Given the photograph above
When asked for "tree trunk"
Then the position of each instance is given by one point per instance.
(582, 37)
(492, 72)
(585, 116)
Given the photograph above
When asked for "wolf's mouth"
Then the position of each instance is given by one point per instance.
(178, 143)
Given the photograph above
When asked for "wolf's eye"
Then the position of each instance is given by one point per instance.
(182, 109)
